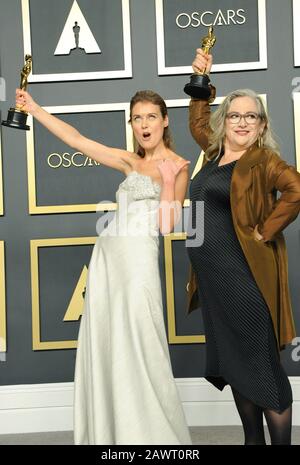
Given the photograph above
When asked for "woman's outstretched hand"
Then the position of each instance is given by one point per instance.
(25, 102)
(169, 169)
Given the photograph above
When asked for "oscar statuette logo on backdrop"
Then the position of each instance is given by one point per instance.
(77, 35)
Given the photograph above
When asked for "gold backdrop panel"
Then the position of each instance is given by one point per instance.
(75, 307)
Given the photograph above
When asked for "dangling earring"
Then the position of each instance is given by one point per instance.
(260, 141)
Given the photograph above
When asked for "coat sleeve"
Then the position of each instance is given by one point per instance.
(199, 115)
(284, 178)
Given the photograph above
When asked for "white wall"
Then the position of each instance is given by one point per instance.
(49, 407)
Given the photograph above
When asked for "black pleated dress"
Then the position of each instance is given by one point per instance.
(240, 339)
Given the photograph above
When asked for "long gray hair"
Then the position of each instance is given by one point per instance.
(218, 118)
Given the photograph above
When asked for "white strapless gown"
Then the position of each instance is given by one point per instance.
(124, 387)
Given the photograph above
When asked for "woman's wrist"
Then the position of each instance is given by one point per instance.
(169, 182)
(35, 109)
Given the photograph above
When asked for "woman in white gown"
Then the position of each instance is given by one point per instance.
(125, 392)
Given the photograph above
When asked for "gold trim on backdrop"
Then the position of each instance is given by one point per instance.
(296, 97)
(116, 74)
(35, 244)
(173, 338)
(38, 209)
(2, 300)
(1, 180)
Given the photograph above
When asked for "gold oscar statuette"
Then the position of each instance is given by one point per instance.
(198, 87)
(17, 117)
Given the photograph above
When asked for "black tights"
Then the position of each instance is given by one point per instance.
(279, 424)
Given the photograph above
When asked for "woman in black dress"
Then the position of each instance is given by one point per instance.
(240, 269)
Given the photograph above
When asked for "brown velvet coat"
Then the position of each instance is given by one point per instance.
(256, 178)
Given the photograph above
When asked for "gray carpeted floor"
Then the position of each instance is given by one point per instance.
(211, 435)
